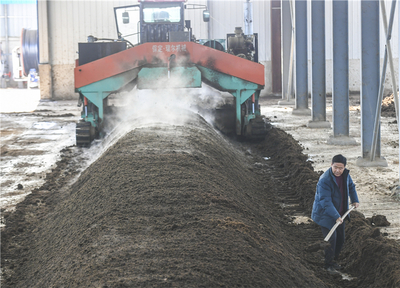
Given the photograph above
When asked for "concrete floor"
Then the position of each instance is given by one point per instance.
(33, 132)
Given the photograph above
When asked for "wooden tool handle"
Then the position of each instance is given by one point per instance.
(337, 224)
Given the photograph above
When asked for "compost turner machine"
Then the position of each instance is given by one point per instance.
(166, 54)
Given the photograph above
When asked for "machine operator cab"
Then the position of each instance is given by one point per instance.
(155, 21)
(160, 16)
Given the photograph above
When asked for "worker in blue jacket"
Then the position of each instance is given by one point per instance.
(334, 188)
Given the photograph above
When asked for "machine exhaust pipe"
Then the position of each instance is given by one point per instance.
(170, 58)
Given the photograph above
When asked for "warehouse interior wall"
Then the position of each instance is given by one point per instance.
(355, 45)
(71, 22)
(14, 17)
(227, 14)
(62, 24)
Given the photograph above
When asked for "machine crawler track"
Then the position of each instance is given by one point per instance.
(257, 129)
(84, 134)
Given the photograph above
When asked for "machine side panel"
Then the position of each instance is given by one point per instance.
(228, 64)
(157, 54)
(89, 52)
(110, 66)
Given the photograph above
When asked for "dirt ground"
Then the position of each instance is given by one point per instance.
(32, 133)
(177, 204)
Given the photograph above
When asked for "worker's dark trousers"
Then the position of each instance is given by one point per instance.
(337, 240)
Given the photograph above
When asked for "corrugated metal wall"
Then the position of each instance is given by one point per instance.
(228, 14)
(14, 17)
(395, 31)
(355, 44)
(70, 22)
(354, 30)
(19, 16)
(200, 28)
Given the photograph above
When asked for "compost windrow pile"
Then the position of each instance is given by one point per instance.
(164, 205)
(182, 206)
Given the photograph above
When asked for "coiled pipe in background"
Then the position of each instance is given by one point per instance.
(29, 50)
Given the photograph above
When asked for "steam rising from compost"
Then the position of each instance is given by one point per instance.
(171, 106)
(156, 108)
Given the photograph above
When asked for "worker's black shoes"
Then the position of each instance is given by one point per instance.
(333, 268)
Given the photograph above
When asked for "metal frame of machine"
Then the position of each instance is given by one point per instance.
(148, 63)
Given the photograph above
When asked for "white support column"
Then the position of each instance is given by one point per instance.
(287, 52)
(46, 81)
(398, 187)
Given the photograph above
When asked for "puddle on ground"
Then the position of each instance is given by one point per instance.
(43, 125)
